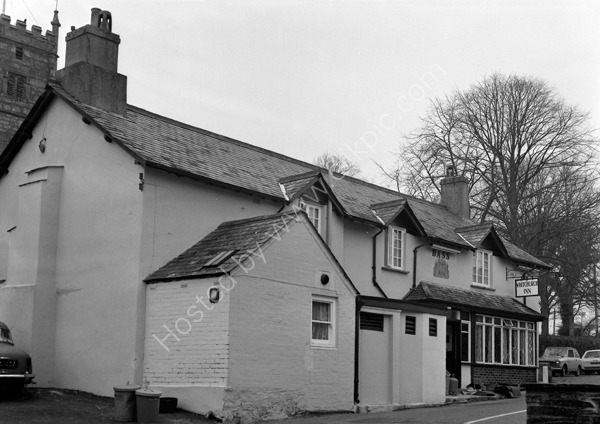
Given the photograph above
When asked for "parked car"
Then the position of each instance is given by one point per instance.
(563, 360)
(15, 364)
(590, 361)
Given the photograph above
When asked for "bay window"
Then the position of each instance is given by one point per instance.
(504, 341)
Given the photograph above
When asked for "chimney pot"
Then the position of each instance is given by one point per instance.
(105, 21)
(95, 22)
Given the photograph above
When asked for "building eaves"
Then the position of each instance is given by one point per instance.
(471, 300)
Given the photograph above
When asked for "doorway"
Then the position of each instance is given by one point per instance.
(453, 354)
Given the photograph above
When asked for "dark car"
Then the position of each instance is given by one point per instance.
(15, 364)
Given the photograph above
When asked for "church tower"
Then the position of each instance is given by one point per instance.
(28, 59)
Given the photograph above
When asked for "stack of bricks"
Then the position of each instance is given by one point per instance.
(28, 59)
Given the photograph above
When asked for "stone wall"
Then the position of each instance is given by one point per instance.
(563, 403)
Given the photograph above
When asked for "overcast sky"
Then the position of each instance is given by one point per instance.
(346, 76)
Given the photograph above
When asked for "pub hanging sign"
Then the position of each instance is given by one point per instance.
(526, 288)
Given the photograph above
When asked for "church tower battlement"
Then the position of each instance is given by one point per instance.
(28, 59)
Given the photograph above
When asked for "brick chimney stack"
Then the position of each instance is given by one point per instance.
(90, 72)
(455, 193)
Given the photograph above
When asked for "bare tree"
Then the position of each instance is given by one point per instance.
(337, 163)
(529, 158)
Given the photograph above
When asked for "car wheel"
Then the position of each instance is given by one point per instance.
(564, 371)
(577, 371)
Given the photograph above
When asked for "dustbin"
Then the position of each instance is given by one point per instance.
(147, 405)
(125, 402)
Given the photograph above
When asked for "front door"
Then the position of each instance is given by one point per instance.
(375, 356)
(453, 349)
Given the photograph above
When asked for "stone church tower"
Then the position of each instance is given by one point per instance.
(28, 59)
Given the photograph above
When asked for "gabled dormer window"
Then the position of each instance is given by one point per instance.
(396, 241)
(482, 268)
(314, 213)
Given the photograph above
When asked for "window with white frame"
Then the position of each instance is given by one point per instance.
(504, 341)
(396, 240)
(314, 213)
(323, 322)
(482, 268)
(465, 336)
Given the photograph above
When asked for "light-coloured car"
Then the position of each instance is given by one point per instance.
(15, 364)
(563, 360)
(590, 361)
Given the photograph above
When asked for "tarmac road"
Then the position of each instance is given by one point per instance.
(504, 411)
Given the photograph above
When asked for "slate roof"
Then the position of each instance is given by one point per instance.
(470, 300)
(475, 234)
(294, 185)
(389, 210)
(160, 142)
(231, 242)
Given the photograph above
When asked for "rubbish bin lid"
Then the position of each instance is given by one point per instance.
(127, 387)
(148, 392)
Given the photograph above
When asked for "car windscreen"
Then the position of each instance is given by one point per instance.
(592, 354)
(5, 336)
(555, 351)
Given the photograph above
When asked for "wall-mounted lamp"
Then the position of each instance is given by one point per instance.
(42, 145)
(214, 295)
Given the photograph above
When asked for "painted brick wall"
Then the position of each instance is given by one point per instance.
(274, 371)
(191, 344)
(502, 375)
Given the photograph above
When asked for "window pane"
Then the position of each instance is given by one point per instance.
(522, 347)
(479, 343)
(321, 311)
(481, 268)
(530, 348)
(514, 346)
(497, 345)
(320, 331)
(396, 248)
(464, 342)
(488, 344)
(506, 346)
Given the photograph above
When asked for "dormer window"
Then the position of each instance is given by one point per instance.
(396, 240)
(314, 213)
(482, 268)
